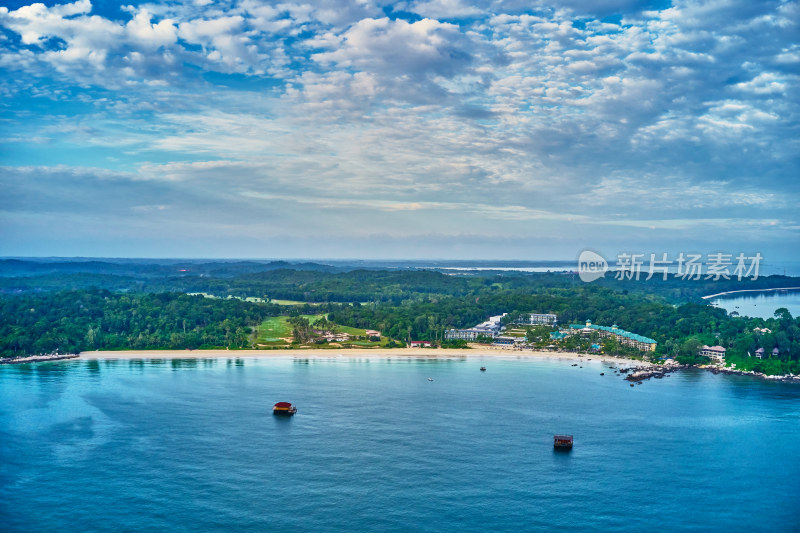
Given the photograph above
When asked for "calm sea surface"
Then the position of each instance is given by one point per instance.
(760, 304)
(191, 445)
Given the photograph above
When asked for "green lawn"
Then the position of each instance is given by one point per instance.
(515, 332)
(365, 343)
(352, 331)
(275, 330)
(272, 330)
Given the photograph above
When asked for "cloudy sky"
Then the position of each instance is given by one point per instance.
(427, 128)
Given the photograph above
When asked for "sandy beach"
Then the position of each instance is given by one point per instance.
(421, 353)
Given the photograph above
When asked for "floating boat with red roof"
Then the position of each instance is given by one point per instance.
(284, 409)
(562, 441)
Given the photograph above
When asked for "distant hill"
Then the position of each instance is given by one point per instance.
(154, 269)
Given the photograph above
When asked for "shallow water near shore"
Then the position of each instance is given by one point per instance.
(190, 444)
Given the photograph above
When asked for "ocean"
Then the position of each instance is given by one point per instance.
(191, 445)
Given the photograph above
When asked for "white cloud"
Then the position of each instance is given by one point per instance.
(444, 9)
(224, 42)
(765, 83)
(481, 112)
(399, 48)
(144, 32)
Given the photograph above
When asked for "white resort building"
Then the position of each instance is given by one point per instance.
(535, 319)
(626, 338)
(490, 328)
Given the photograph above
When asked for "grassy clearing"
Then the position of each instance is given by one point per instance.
(515, 332)
(313, 318)
(352, 331)
(274, 331)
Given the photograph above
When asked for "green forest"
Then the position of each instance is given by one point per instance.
(52, 308)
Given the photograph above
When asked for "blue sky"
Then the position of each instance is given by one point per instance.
(431, 128)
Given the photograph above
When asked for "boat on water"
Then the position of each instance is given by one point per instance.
(284, 409)
(563, 442)
(483, 369)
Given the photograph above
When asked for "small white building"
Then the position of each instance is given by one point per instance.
(717, 353)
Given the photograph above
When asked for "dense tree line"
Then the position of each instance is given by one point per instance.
(307, 286)
(314, 283)
(403, 305)
(72, 321)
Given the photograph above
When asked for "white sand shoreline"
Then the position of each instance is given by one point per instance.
(409, 353)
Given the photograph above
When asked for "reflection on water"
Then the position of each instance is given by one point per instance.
(50, 371)
(183, 363)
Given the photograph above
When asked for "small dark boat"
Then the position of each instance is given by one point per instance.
(483, 369)
(602, 373)
(284, 409)
(562, 441)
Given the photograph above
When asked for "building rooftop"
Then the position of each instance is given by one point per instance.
(714, 348)
(616, 331)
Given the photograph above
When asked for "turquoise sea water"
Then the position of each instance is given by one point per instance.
(188, 445)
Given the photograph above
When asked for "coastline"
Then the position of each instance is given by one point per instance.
(310, 353)
(37, 359)
(750, 290)
(633, 370)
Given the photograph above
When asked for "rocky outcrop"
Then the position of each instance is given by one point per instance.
(788, 378)
(37, 358)
(654, 372)
(637, 375)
